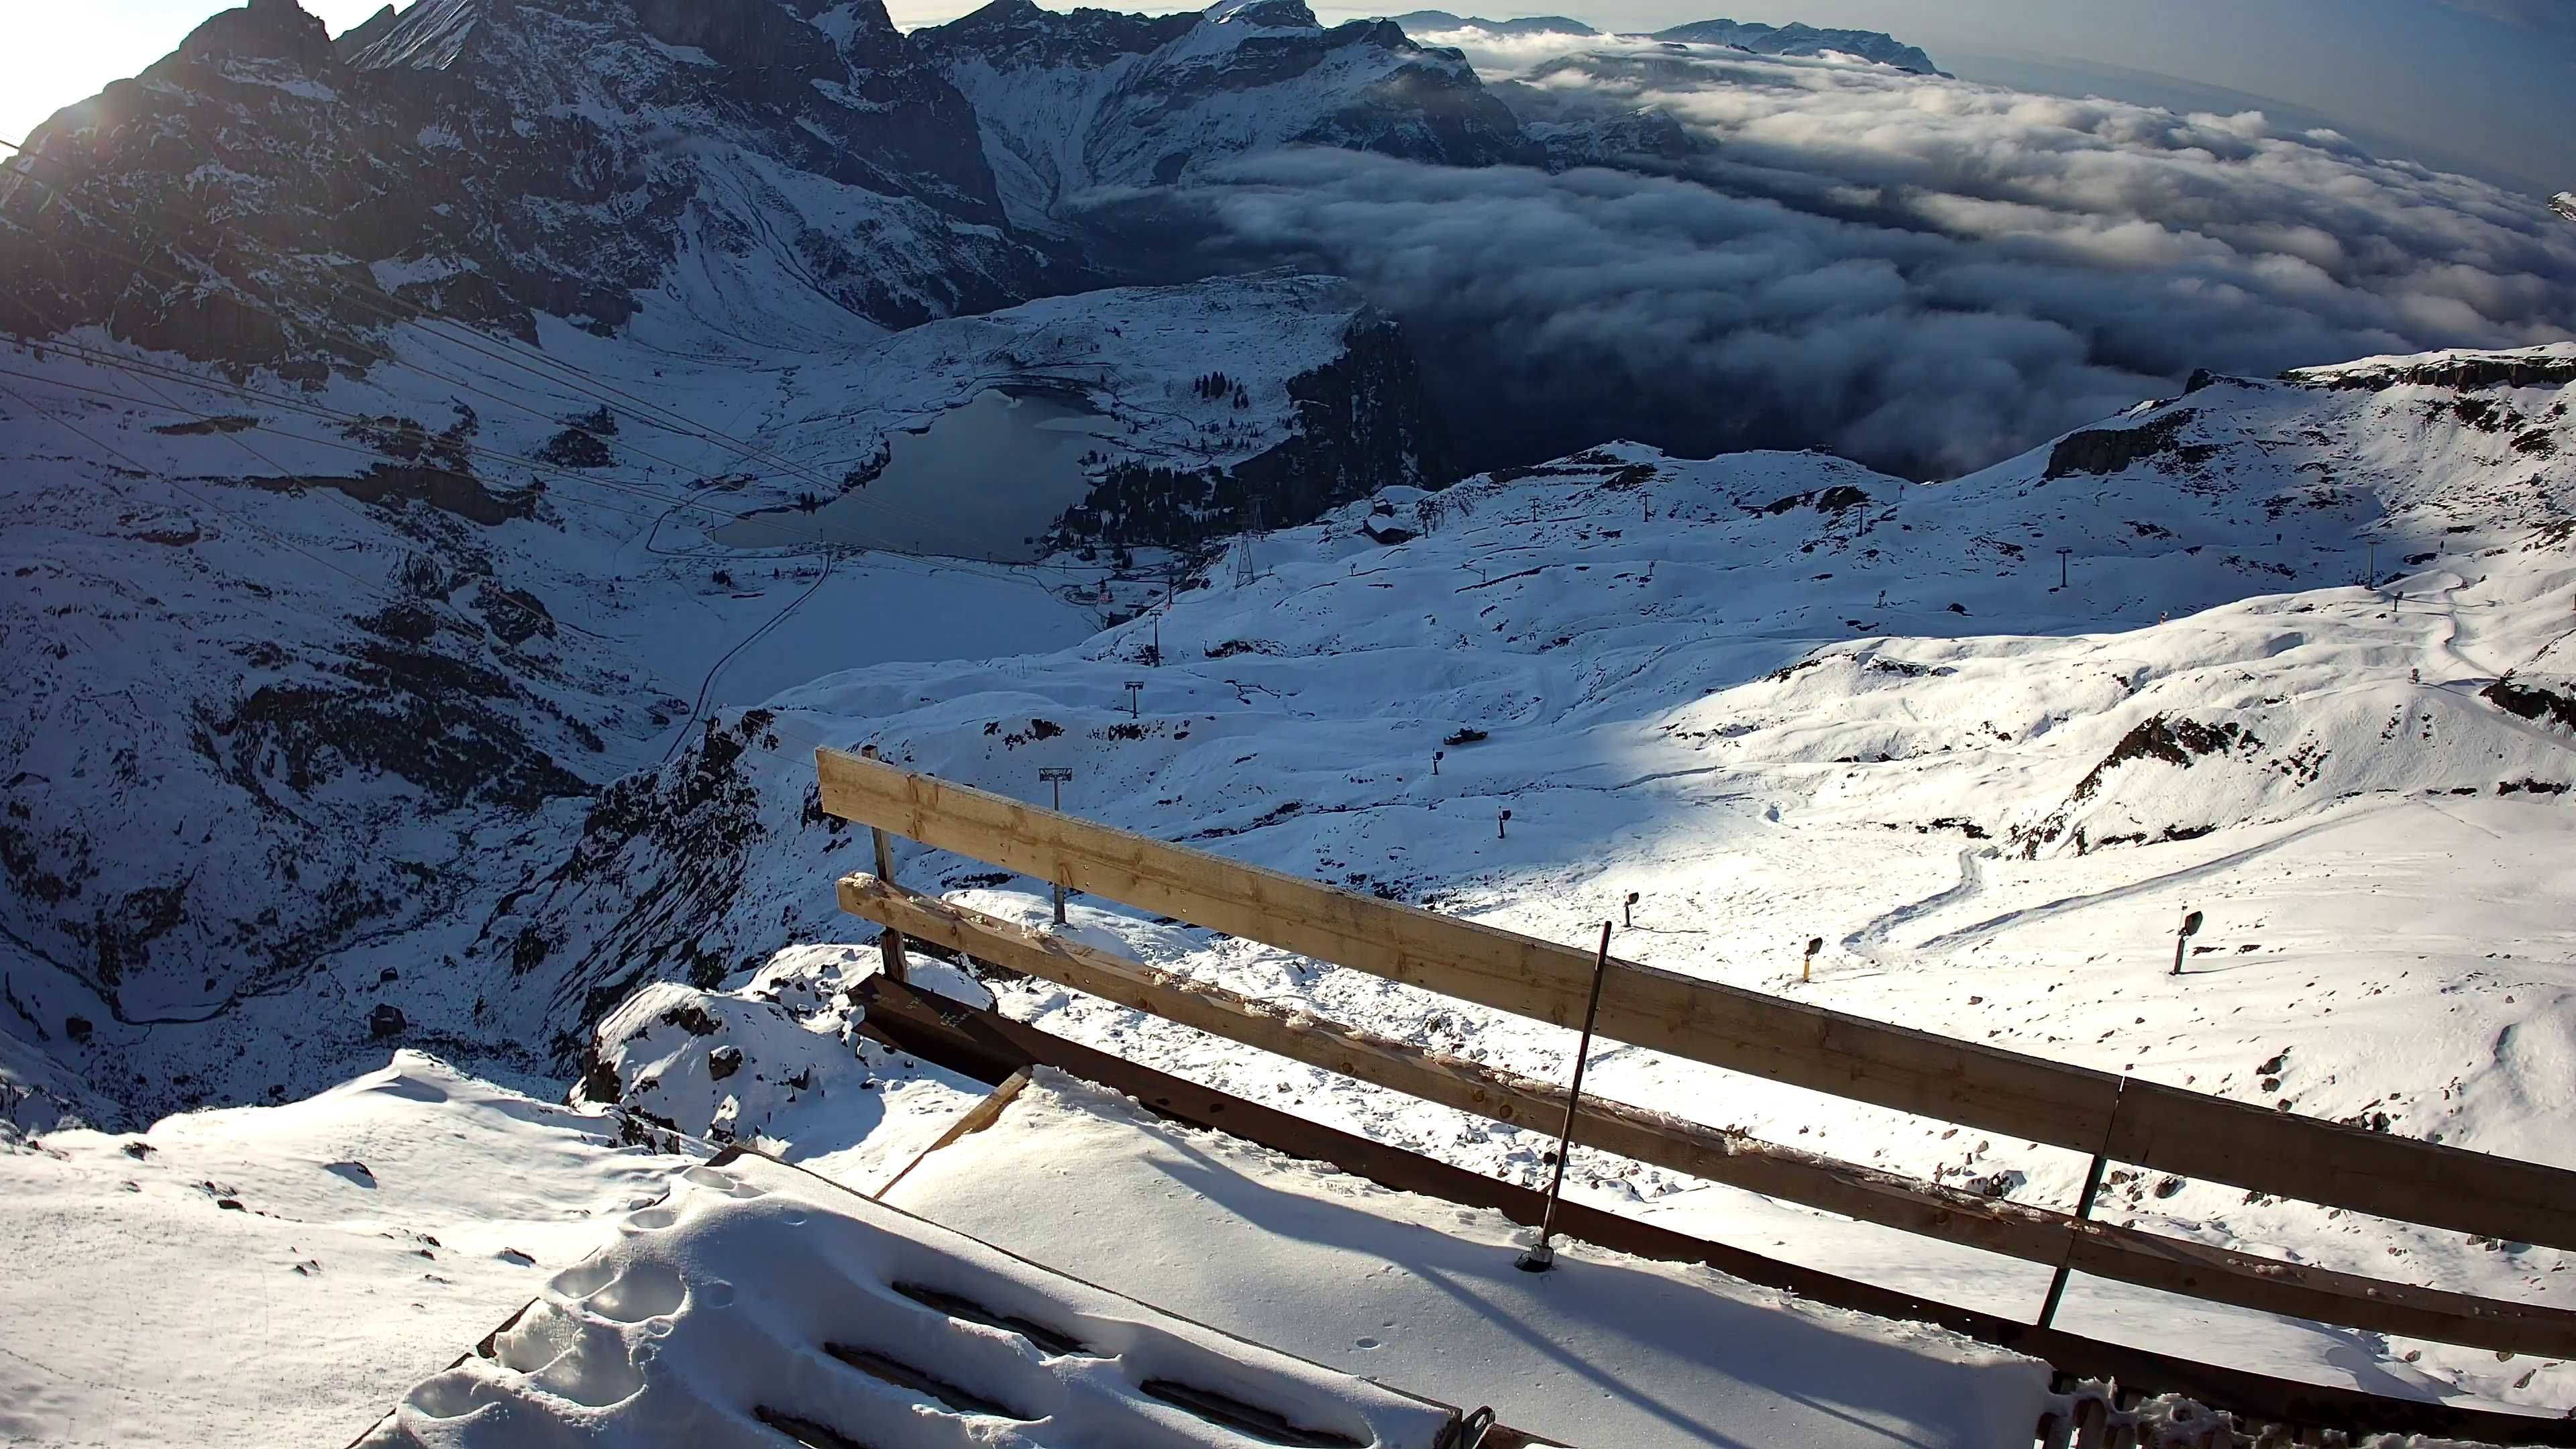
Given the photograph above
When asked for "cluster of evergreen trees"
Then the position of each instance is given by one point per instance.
(1215, 385)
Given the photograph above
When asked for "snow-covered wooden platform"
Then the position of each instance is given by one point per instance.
(759, 1305)
(1603, 1350)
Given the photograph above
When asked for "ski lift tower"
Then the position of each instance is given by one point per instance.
(1246, 567)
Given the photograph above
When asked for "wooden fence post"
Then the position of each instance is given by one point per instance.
(889, 940)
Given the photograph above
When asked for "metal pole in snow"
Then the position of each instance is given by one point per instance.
(2083, 1210)
(1543, 1257)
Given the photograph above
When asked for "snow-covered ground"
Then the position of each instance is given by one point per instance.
(279, 1275)
(1780, 697)
(2308, 672)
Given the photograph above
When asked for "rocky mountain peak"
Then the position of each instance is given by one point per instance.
(496, 160)
(1276, 14)
(1010, 33)
(263, 30)
(367, 32)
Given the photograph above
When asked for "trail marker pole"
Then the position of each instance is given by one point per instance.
(2062, 555)
(2182, 938)
(889, 940)
(1436, 757)
(1499, 822)
(1056, 775)
(1628, 912)
(1543, 1257)
(1134, 709)
(1807, 967)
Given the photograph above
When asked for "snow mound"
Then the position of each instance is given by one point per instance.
(778, 1062)
(754, 1299)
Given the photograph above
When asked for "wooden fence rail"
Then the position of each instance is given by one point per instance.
(1847, 1056)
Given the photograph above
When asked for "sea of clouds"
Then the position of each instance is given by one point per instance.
(1923, 273)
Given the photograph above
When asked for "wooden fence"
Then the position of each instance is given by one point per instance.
(2109, 1118)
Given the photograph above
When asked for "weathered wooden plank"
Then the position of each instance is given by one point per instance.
(2349, 1167)
(1785, 1041)
(987, 1044)
(1847, 1056)
(1862, 1193)
(2219, 1275)
(986, 1111)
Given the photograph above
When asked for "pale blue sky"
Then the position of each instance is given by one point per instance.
(2479, 85)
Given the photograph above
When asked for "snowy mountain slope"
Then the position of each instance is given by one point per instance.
(298, 700)
(1780, 696)
(497, 159)
(1070, 103)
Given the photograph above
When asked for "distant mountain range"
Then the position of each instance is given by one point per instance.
(1760, 39)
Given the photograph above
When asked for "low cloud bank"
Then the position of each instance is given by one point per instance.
(1928, 275)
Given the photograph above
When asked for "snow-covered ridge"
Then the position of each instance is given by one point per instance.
(2459, 369)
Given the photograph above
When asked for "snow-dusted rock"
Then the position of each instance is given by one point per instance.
(1071, 103)
(495, 160)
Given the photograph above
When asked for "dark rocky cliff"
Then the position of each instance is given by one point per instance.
(1366, 423)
